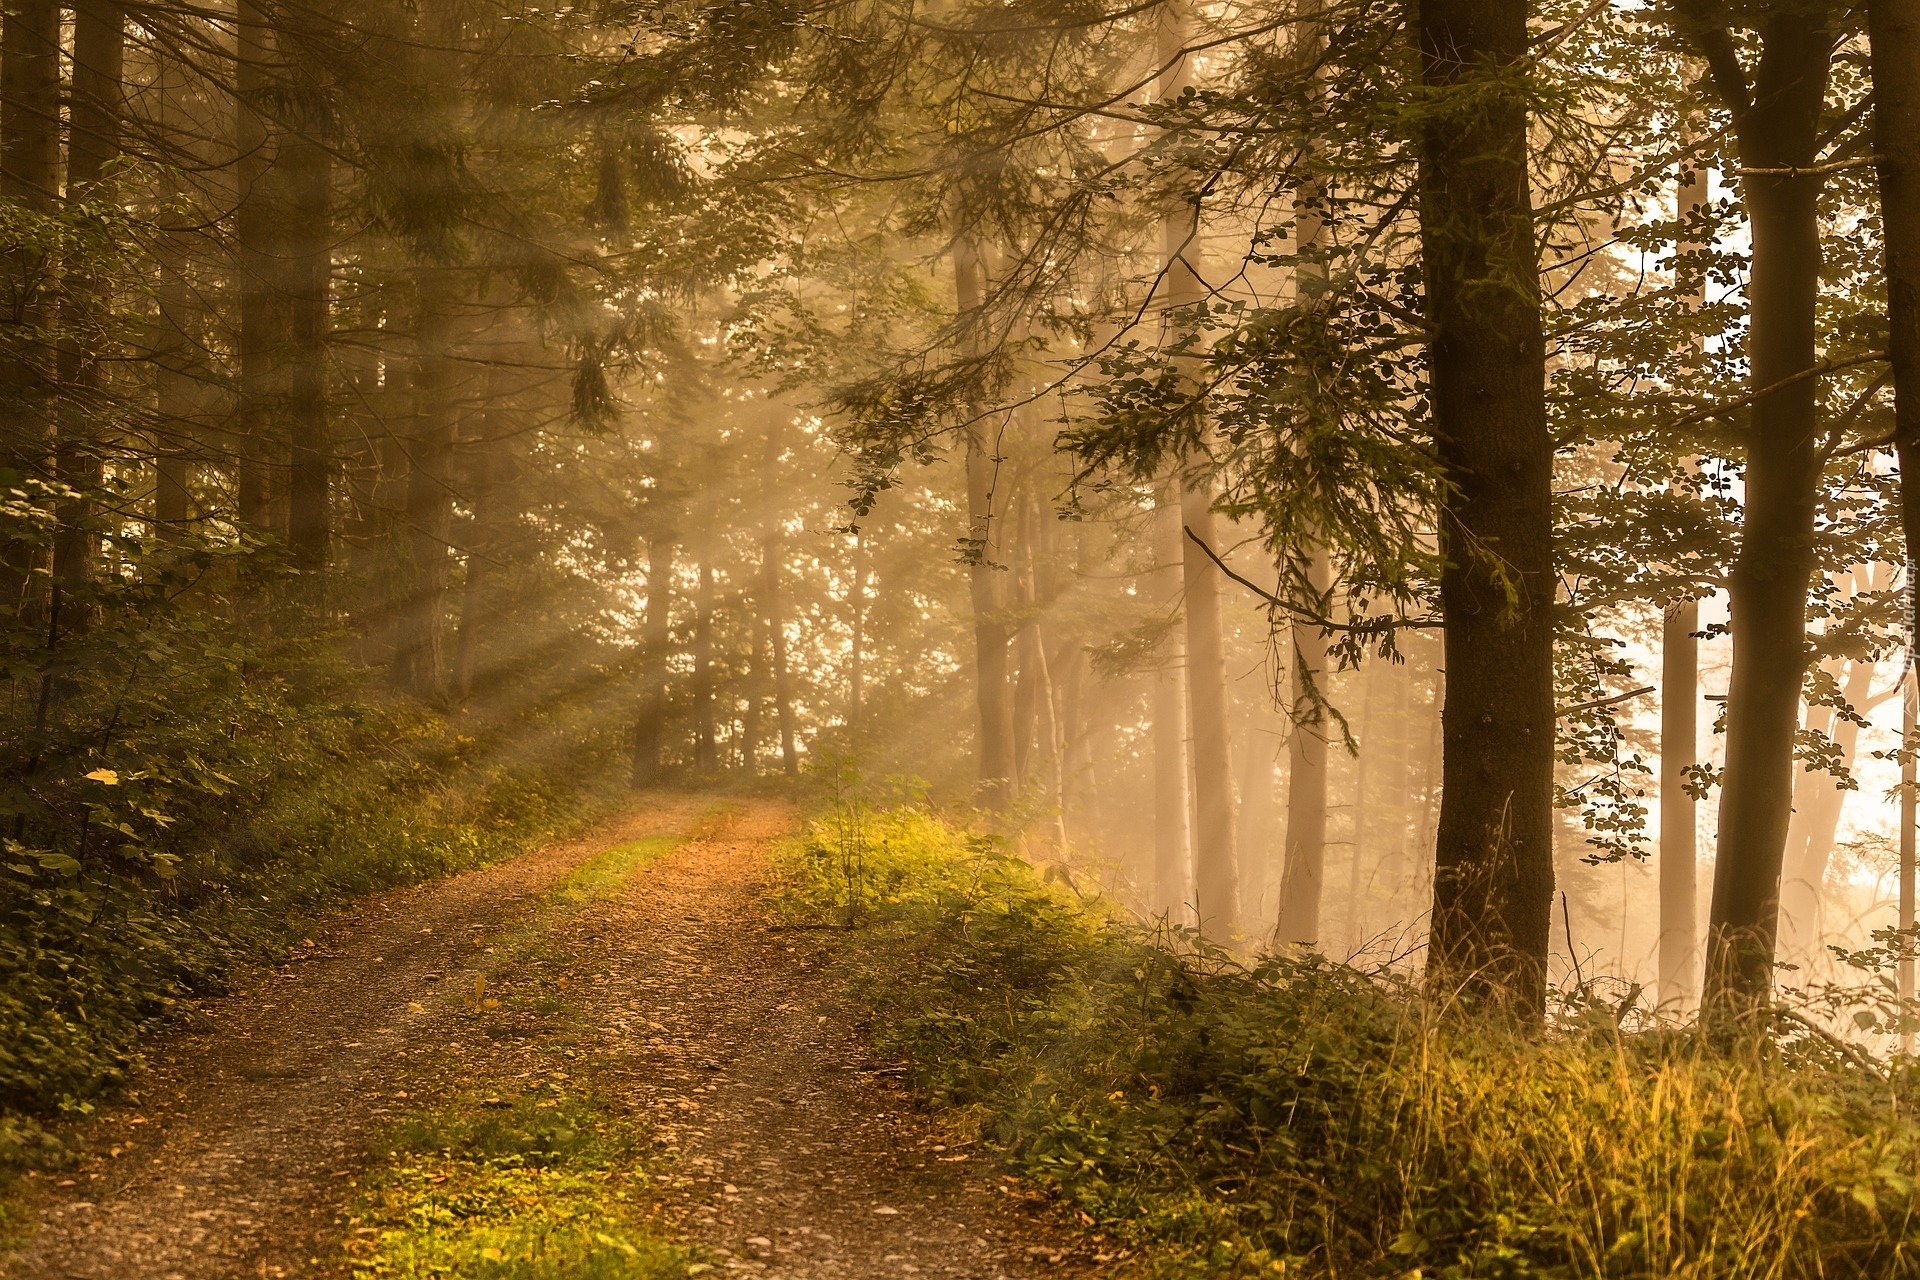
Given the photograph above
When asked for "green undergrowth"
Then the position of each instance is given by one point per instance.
(311, 806)
(539, 1186)
(523, 1176)
(1201, 1117)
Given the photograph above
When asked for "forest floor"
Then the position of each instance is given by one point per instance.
(775, 1144)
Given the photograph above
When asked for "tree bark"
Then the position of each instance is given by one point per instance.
(29, 176)
(1679, 943)
(1493, 865)
(309, 269)
(1216, 888)
(650, 727)
(259, 225)
(99, 46)
(772, 552)
(706, 756)
(419, 660)
(177, 374)
(1777, 126)
(992, 694)
(1893, 26)
(1172, 838)
(1304, 871)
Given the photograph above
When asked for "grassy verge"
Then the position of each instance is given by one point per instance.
(91, 963)
(529, 1170)
(1299, 1118)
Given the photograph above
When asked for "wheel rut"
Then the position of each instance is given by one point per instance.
(778, 1143)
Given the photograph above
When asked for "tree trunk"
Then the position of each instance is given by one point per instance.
(1216, 889)
(650, 727)
(1767, 589)
(706, 756)
(99, 46)
(1493, 865)
(259, 223)
(29, 176)
(1369, 740)
(419, 664)
(1819, 802)
(1679, 944)
(991, 691)
(1893, 26)
(309, 270)
(473, 592)
(177, 375)
(1172, 839)
(1304, 871)
(857, 625)
(772, 551)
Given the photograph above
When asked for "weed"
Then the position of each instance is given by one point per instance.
(1300, 1117)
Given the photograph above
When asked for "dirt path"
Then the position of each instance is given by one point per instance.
(783, 1148)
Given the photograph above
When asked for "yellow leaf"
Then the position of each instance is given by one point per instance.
(107, 776)
(490, 1253)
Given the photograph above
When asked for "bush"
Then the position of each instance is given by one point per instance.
(1295, 1116)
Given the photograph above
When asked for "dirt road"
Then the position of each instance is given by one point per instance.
(780, 1145)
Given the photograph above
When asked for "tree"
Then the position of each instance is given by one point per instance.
(1493, 878)
(1776, 117)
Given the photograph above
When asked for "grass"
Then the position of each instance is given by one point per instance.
(512, 1182)
(535, 1188)
(1203, 1117)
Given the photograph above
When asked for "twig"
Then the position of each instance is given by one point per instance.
(1741, 402)
(1604, 702)
(1288, 606)
(1811, 171)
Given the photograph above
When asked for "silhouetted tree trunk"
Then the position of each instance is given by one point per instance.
(99, 44)
(1776, 122)
(857, 625)
(29, 176)
(309, 270)
(178, 377)
(259, 225)
(650, 727)
(1172, 839)
(1493, 866)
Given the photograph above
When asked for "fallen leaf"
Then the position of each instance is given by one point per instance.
(107, 776)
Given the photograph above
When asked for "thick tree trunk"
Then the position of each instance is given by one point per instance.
(1304, 870)
(706, 755)
(1767, 589)
(650, 726)
(1254, 825)
(1172, 838)
(1493, 865)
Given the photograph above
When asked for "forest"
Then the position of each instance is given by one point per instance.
(1149, 638)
